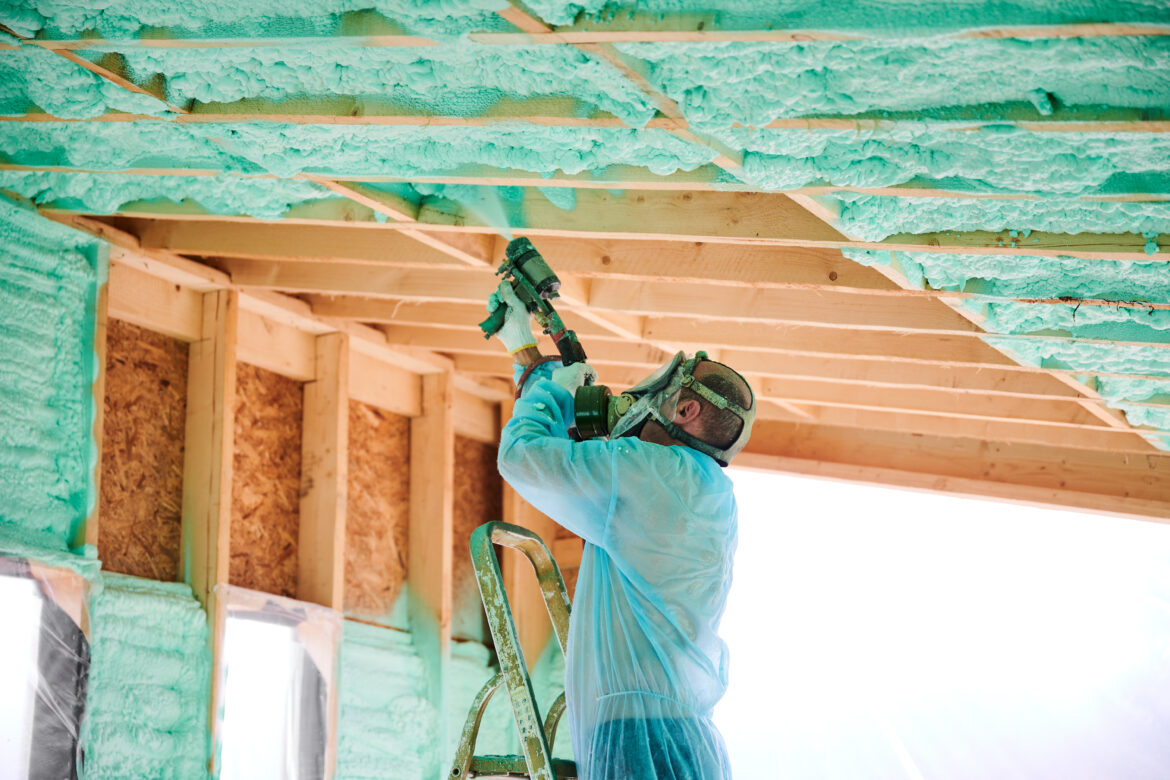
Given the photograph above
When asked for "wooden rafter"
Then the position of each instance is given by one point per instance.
(692, 28)
(717, 217)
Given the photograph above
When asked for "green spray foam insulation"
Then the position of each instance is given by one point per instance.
(49, 279)
(1016, 276)
(32, 78)
(265, 198)
(460, 79)
(1046, 278)
(892, 18)
(873, 218)
(387, 727)
(994, 158)
(718, 85)
(286, 149)
(257, 18)
(472, 665)
(149, 682)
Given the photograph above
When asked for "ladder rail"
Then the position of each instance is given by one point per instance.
(536, 738)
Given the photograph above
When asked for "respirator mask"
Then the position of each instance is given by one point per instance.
(599, 413)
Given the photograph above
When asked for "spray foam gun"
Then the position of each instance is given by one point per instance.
(535, 285)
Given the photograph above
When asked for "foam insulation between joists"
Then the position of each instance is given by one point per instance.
(992, 278)
(33, 78)
(286, 149)
(887, 18)
(456, 80)
(228, 18)
(718, 85)
(873, 218)
(994, 158)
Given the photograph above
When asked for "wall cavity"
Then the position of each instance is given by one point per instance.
(49, 278)
(149, 682)
(386, 726)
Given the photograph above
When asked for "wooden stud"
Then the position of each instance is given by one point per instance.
(207, 467)
(432, 483)
(324, 475)
(88, 532)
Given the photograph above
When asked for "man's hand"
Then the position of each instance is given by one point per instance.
(574, 376)
(516, 334)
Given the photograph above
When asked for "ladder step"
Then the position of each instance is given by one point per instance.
(488, 767)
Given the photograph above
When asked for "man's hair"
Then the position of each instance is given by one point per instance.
(719, 427)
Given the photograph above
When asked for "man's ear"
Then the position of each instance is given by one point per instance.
(687, 411)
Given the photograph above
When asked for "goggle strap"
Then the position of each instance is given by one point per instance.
(697, 387)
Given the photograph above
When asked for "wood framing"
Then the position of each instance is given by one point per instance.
(432, 474)
(1114, 483)
(324, 469)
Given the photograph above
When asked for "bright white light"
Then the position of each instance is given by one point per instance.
(259, 721)
(877, 633)
(18, 681)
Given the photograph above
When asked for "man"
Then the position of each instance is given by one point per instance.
(645, 665)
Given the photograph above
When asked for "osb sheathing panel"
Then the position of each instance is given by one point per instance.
(140, 509)
(478, 500)
(266, 481)
(377, 525)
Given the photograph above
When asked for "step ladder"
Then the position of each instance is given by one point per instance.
(536, 739)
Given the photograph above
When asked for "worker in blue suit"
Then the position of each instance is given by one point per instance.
(645, 665)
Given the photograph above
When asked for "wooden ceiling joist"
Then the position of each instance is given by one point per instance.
(723, 218)
(675, 28)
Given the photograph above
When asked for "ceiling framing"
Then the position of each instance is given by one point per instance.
(862, 373)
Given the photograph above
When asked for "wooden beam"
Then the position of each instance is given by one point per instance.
(154, 303)
(87, 533)
(1123, 483)
(762, 219)
(674, 28)
(432, 483)
(476, 418)
(927, 401)
(705, 178)
(207, 468)
(384, 385)
(277, 347)
(324, 476)
(795, 268)
(207, 464)
(1089, 436)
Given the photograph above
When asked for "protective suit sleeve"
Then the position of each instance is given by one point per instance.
(578, 484)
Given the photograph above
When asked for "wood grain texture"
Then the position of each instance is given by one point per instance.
(267, 481)
(478, 499)
(378, 513)
(142, 453)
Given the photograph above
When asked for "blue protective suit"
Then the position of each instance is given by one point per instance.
(645, 665)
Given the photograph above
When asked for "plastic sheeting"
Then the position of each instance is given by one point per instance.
(645, 664)
(49, 649)
(277, 677)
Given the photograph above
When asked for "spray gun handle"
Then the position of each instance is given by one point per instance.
(491, 326)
